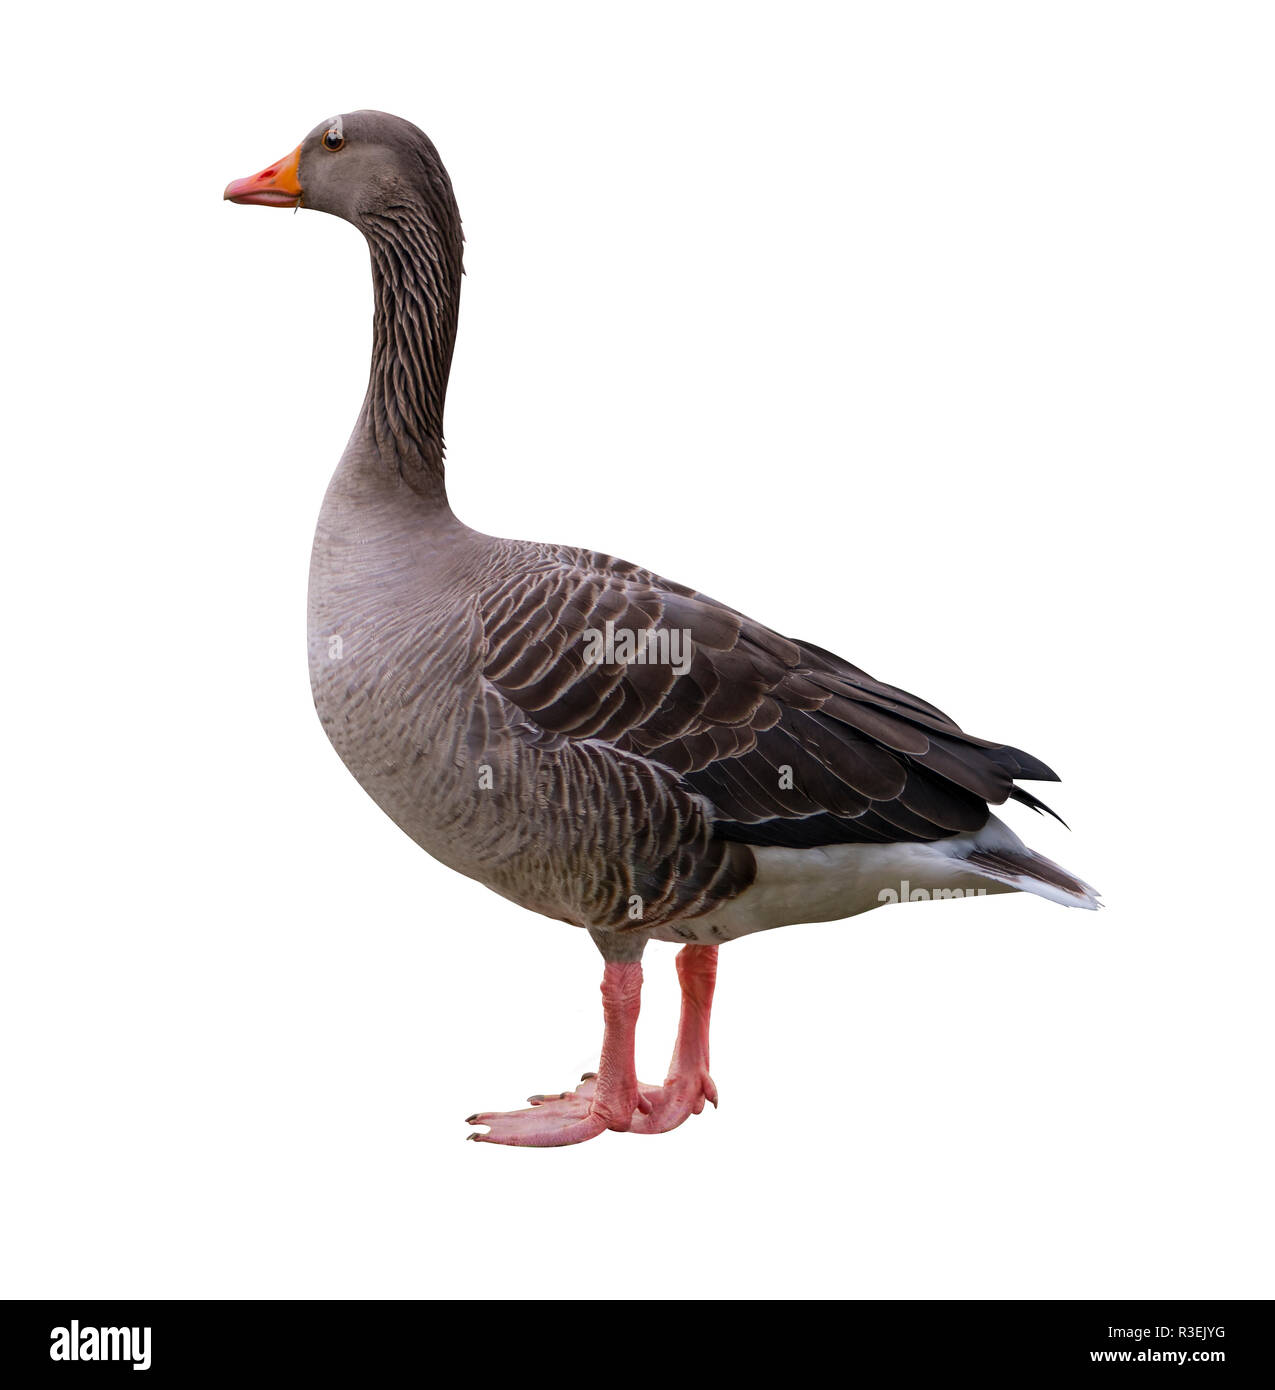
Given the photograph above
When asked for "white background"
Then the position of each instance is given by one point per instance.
(939, 335)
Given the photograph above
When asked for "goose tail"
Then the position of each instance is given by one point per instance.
(997, 854)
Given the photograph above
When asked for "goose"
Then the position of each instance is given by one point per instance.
(596, 743)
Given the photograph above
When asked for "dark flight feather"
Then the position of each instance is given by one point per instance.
(787, 743)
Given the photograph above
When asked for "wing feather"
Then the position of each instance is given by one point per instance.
(786, 742)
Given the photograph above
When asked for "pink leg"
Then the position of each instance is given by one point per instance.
(688, 1084)
(611, 1100)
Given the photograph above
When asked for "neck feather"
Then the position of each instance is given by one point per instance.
(416, 270)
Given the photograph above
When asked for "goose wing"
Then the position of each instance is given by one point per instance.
(788, 743)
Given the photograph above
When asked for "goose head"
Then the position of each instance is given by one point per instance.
(358, 166)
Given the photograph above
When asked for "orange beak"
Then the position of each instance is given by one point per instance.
(274, 187)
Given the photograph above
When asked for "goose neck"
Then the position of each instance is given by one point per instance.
(416, 270)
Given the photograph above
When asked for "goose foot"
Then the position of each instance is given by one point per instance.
(688, 1084)
(568, 1118)
(675, 1102)
(612, 1097)
(609, 1099)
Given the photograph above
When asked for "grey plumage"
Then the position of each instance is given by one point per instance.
(450, 668)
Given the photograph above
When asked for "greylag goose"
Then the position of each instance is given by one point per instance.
(593, 742)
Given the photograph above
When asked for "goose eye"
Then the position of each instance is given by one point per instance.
(332, 141)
